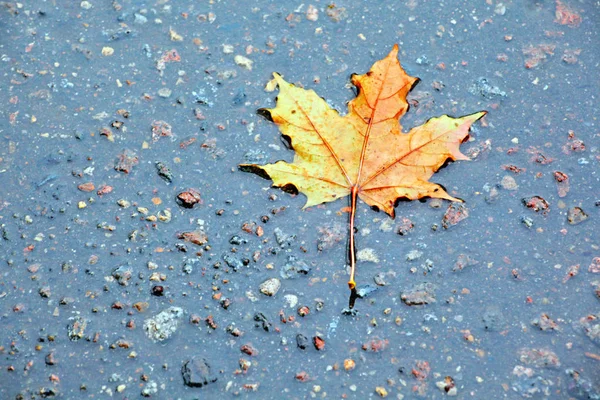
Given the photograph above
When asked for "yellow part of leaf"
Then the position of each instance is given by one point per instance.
(364, 151)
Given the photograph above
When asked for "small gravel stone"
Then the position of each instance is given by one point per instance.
(189, 198)
(157, 290)
(303, 311)
(365, 290)
(149, 389)
(580, 387)
(349, 364)
(380, 279)
(405, 226)
(164, 172)
(233, 262)
(139, 19)
(463, 261)
(243, 62)
(540, 358)
(545, 323)
(413, 255)
(76, 329)
(164, 92)
(330, 235)
(161, 129)
(249, 349)
(123, 203)
(45, 292)
(188, 265)
(595, 266)
(420, 294)
(483, 88)
(262, 321)
(294, 268)
(367, 255)
(500, 9)
(291, 300)
(537, 204)
(381, 391)
(527, 221)
(596, 286)
(455, 213)
(301, 341)
(236, 240)
(319, 343)
(50, 359)
(197, 237)
(590, 327)
(270, 287)
(282, 239)
(509, 183)
(576, 216)
(164, 324)
(197, 373)
(447, 386)
(528, 385)
(493, 319)
(122, 274)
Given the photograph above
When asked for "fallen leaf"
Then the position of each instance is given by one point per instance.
(363, 154)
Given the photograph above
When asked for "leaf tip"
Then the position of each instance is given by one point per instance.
(477, 116)
(278, 78)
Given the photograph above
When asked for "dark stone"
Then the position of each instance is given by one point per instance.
(122, 274)
(301, 341)
(189, 264)
(294, 268)
(419, 294)
(380, 279)
(47, 392)
(121, 33)
(262, 320)
(239, 97)
(164, 172)
(158, 290)
(233, 262)
(236, 240)
(50, 359)
(493, 319)
(196, 373)
(283, 240)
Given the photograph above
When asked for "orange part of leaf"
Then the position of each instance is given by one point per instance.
(364, 152)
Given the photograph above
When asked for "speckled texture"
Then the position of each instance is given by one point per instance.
(86, 188)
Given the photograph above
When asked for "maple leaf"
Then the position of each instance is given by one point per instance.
(363, 154)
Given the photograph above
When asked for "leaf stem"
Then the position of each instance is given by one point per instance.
(352, 247)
